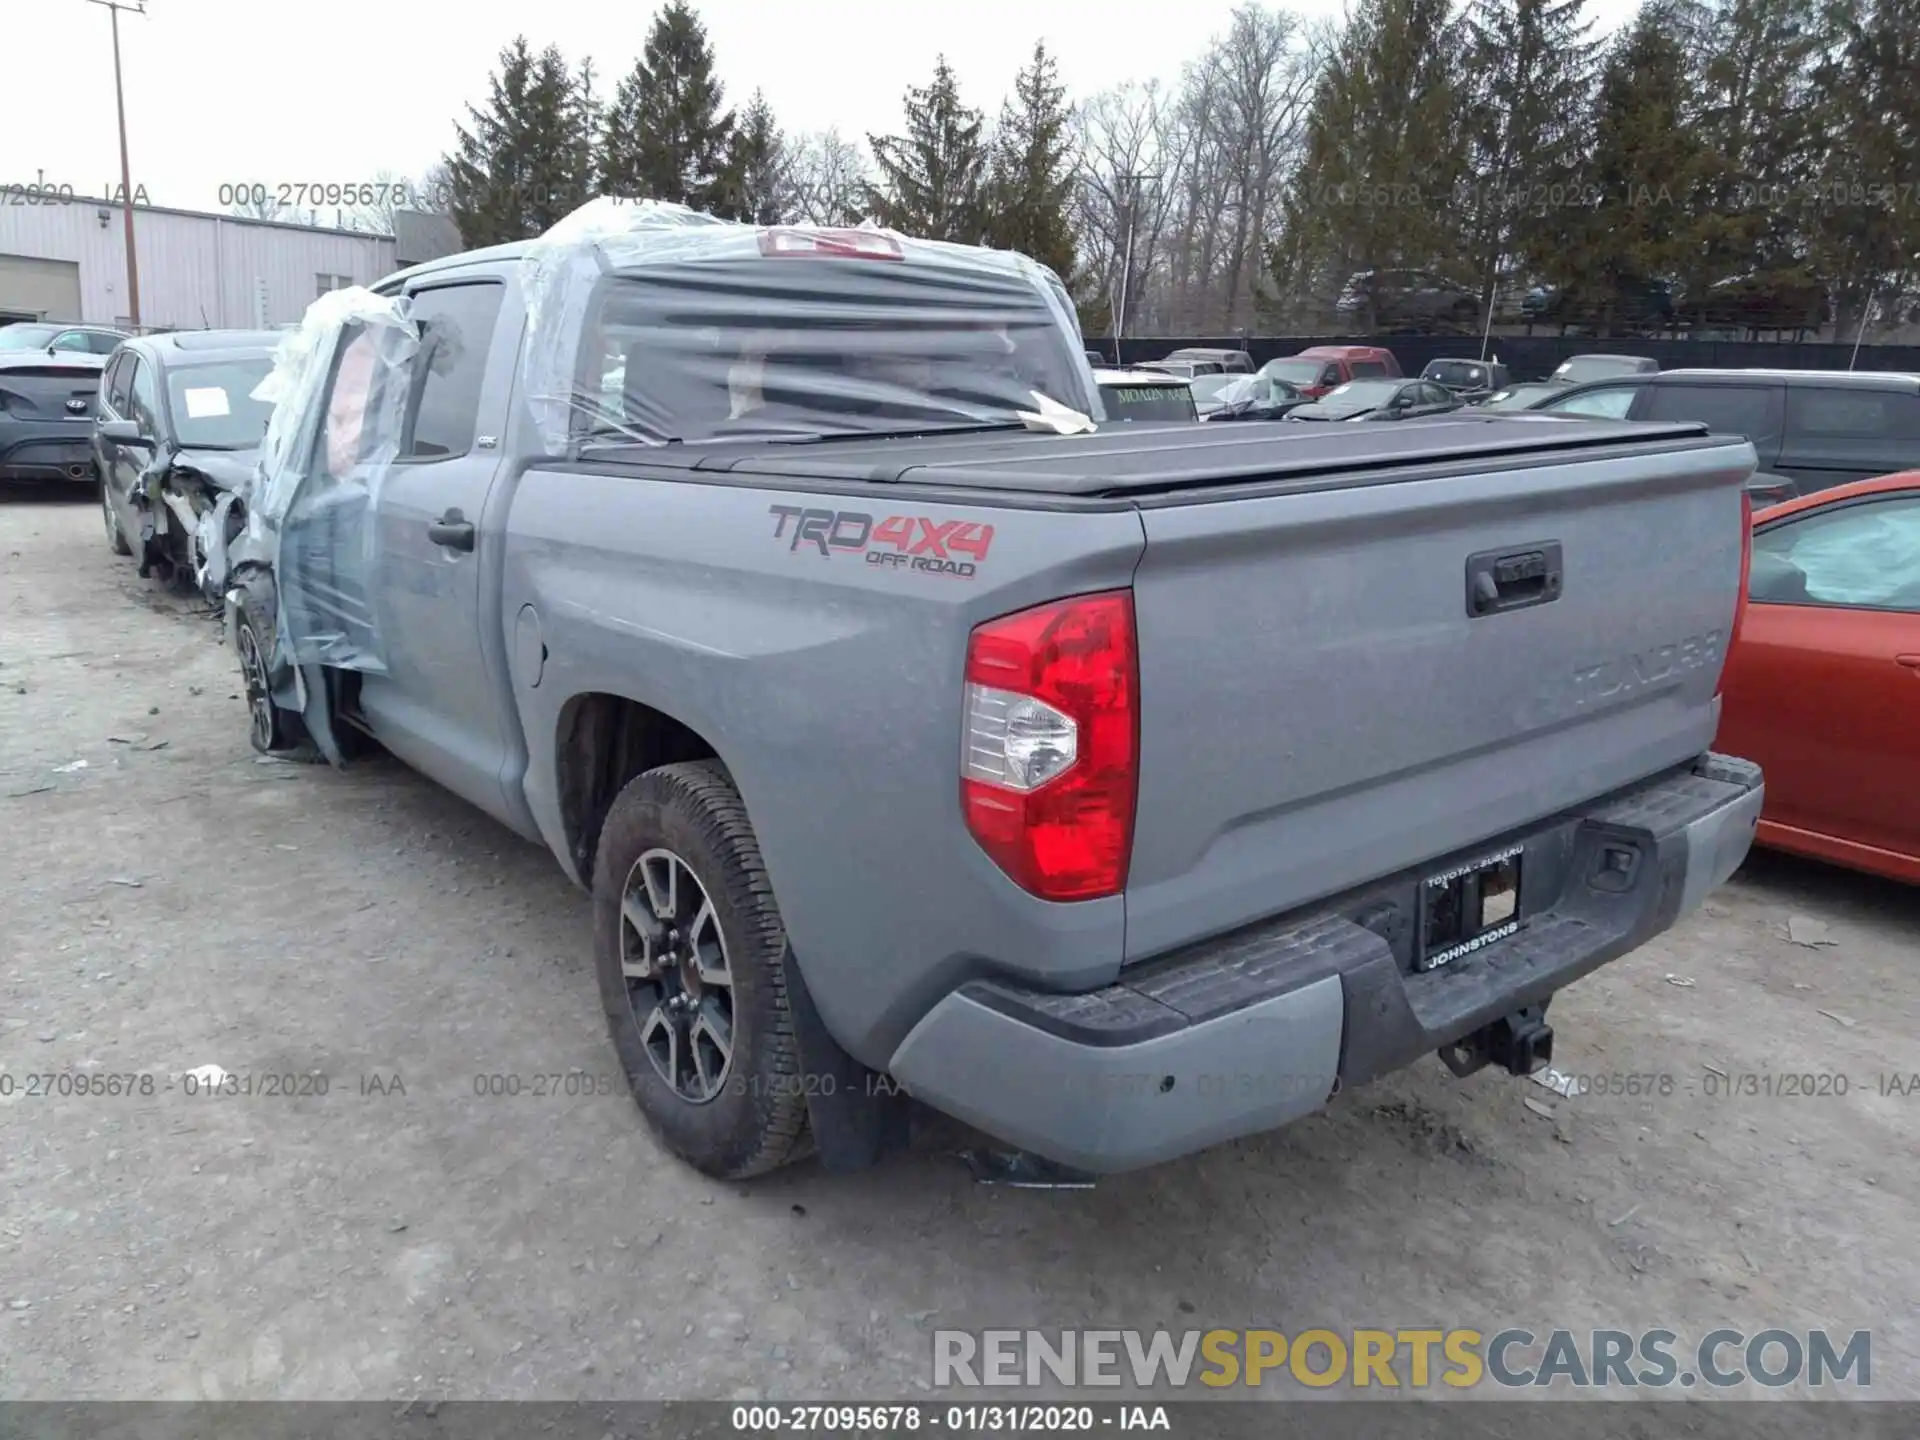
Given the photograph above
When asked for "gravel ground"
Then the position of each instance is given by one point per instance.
(170, 902)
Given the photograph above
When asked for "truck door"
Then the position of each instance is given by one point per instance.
(438, 705)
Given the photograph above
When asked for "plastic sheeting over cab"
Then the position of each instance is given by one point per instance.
(650, 324)
(653, 324)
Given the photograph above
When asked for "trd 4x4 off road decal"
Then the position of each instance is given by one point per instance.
(905, 542)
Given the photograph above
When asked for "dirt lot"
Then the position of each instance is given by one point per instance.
(169, 901)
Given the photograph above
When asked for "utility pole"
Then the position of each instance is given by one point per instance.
(114, 7)
(1130, 186)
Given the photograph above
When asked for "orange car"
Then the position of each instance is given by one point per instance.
(1822, 687)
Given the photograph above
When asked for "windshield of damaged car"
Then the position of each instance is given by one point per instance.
(212, 405)
(1358, 393)
(812, 347)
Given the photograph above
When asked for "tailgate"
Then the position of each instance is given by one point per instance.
(1321, 704)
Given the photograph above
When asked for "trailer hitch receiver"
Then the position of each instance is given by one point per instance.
(1520, 1043)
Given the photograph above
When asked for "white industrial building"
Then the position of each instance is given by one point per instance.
(65, 259)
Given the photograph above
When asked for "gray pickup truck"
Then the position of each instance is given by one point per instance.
(1117, 789)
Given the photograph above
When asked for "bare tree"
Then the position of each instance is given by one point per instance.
(1121, 135)
(1243, 107)
(1224, 146)
(827, 177)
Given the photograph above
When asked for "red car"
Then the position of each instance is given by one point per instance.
(1319, 368)
(1822, 687)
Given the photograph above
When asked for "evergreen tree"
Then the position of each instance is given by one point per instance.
(1645, 172)
(1759, 112)
(1385, 147)
(931, 177)
(759, 188)
(666, 136)
(1529, 75)
(1865, 222)
(1030, 176)
(523, 160)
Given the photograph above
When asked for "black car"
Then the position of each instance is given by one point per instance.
(47, 403)
(178, 430)
(1415, 300)
(1812, 429)
(1379, 400)
(1472, 380)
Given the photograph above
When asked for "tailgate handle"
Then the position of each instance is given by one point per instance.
(1500, 580)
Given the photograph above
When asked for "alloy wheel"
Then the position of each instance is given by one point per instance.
(679, 981)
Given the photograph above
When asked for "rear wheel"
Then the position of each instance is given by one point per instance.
(116, 537)
(690, 953)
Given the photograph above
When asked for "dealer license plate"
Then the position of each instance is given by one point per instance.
(1468, 908)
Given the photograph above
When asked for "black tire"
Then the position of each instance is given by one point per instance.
(116, 535)
(272, 729)
(754, 1118)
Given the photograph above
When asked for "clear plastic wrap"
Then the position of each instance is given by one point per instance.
(1865, 555)
(310, 512)
(652, 324)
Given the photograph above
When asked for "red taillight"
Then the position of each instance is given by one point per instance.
(1746, 574)
(1052, 716)
(843, 243)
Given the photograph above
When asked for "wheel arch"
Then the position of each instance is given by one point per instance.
(602, 740)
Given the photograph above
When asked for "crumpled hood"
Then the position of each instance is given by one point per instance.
(225, 469)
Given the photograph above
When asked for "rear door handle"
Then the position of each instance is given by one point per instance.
(452, 530)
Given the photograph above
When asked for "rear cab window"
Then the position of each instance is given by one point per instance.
(758, 347)
(1364, 369)
(1148, 402)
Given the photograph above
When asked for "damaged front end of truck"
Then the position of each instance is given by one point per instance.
(285, 551)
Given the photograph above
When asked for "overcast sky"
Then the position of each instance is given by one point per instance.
(334, 91)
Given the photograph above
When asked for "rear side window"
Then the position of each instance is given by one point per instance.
(1852, 415)
(102, 342)
(1752, 411)
(456, 327)
(118, 384)
(143, 404)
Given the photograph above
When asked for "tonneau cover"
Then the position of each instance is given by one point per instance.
(1145, 458)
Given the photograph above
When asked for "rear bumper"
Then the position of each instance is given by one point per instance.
(1251, 1030)
(46, 451)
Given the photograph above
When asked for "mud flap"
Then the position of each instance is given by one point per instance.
(316, 713)
(857, 1115)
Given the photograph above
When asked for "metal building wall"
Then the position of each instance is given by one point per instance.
(195, 269)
